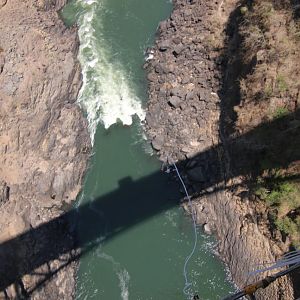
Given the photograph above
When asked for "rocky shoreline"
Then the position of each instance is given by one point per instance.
(44, 144)
(184, 124)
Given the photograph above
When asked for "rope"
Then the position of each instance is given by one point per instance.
(187, 285)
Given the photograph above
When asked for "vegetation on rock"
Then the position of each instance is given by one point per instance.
(268, 32)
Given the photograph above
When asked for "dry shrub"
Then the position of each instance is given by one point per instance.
(255, 24)
(270, 36)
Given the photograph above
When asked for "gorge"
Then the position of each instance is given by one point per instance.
(76, 123)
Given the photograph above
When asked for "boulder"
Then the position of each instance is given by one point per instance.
(163, 26)
(164, 45)
(158, 142)
(167, 68)
(186, 79)
(151, 120)
(202, 94)
(177, 40)
(159, 69)
(162, 93)
(177, 91)
(152, 77)
(175, 101)
(189, 95)
(178, 49)
(207, 229)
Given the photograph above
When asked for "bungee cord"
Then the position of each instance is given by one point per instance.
(187, 286)
(291, 258)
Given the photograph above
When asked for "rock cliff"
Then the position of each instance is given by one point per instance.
(44, 142)
(184, 122)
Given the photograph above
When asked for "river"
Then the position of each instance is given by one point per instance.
(143, 235)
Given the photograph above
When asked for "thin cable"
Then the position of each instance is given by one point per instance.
(188, 284)
(289, 258)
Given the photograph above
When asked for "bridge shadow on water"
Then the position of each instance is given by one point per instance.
(276, 144)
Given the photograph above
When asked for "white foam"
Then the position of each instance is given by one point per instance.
(123, 283)
(80, 200)
(89, 2)
(106, 94)
(122, 274)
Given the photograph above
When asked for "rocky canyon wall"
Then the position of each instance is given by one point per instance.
(44, 141)
(184, 122)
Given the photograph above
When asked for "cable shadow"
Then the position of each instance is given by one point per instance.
(277, 143)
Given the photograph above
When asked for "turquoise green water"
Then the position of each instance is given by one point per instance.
(140, 234)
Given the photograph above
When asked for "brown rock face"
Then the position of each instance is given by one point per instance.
(190, 131)
(49, 4)
(44, 142)
(244, 241)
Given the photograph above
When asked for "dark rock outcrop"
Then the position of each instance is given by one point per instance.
(4, 192)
